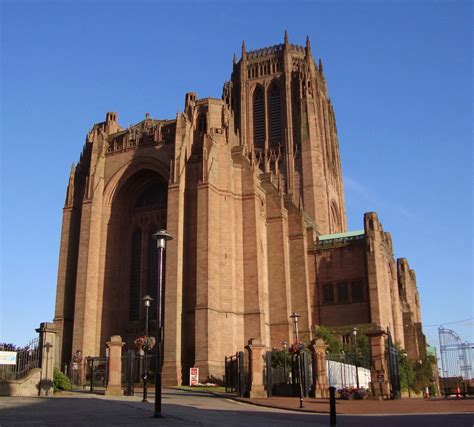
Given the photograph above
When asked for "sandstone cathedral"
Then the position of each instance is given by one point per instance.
(250, 187)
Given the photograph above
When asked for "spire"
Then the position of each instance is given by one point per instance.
(308, 46)
(244, 50)
(286, 37)
(235, 58)
(321, 66)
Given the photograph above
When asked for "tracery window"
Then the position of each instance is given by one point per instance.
(135, 275)
(274, 108)
(258, 118)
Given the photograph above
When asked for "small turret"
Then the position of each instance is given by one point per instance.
(235, 58)
(308, 47)
(244, 51)
(111, 124)
(286, 38)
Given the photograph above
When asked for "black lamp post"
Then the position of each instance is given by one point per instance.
(285, 347)
(161, 238)
(295, 317)
(354, 332)
(147, 299)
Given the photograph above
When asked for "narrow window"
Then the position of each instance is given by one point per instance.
(328, 294)
(258, 118)
(342, 293)
(202, 125)
(152, 271)
(135, 268)
(275, 114)
(357, 292)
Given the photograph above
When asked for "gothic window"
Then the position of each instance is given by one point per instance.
(152, 271)
(328, 293)
(275, 114)
(357, 291)
(258, 118)
(135, 269)
(201, 123)
(342, 292)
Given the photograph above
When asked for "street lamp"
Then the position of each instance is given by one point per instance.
(285, 347)
(406, 373)
(147, 299)
(161, 238)
(354, 332)
(295, 317)
(420, 362)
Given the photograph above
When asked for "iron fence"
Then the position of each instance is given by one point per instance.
(27, 358)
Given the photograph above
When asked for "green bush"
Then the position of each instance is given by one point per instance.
(60, 381)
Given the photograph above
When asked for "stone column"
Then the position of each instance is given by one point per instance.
(114, 387)
(320, 386)
(257, 350)
(47, 343)
(378, 370)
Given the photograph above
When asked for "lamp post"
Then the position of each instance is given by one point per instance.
(295, 317)
(354, 332)
(285, 347)
(147, 299)
(406, 372)
(420, 362)
(161, 238)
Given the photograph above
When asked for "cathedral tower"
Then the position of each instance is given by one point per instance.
(286, 121)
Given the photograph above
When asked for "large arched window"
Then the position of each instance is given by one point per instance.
(274, 109)
(258, 118)
(135, 274)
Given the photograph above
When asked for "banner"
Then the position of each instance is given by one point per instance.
(7, 357)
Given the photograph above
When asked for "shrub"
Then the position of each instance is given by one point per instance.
(60, 381)
(349, 393)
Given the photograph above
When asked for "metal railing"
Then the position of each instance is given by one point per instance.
(27, 358)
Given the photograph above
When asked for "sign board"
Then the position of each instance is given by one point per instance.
(193, 376)
(380, 378)
(7, 357)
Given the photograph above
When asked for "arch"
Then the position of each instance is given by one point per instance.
(124, 174)
(274, 111)
(258, 105)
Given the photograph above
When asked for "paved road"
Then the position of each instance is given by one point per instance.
(187, 409)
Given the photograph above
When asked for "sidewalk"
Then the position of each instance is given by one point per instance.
(369, 406)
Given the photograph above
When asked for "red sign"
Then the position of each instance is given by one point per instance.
(193, 376)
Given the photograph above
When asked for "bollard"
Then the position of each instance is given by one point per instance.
(332, 406)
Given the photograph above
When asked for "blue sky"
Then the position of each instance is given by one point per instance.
(399, 74)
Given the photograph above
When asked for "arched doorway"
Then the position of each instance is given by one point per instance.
(137, 211)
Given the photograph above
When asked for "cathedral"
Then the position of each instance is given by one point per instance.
(250, 187)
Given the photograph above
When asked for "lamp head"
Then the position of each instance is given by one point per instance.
(295, 316)
(147, 299)
(161, 238)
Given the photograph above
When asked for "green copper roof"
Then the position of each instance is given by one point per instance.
(346, 235)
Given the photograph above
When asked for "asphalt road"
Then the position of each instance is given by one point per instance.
(187, 409)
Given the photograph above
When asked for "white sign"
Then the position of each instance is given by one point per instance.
(7, 357)
(193, 376)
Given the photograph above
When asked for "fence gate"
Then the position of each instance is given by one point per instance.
(96, 373)
(282, 373)
(394, 368)
(237, 373)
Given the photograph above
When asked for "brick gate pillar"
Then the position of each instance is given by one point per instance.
(48, 355)
(378, 368)
(257, 351)
(114, 386)
(320, 386)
